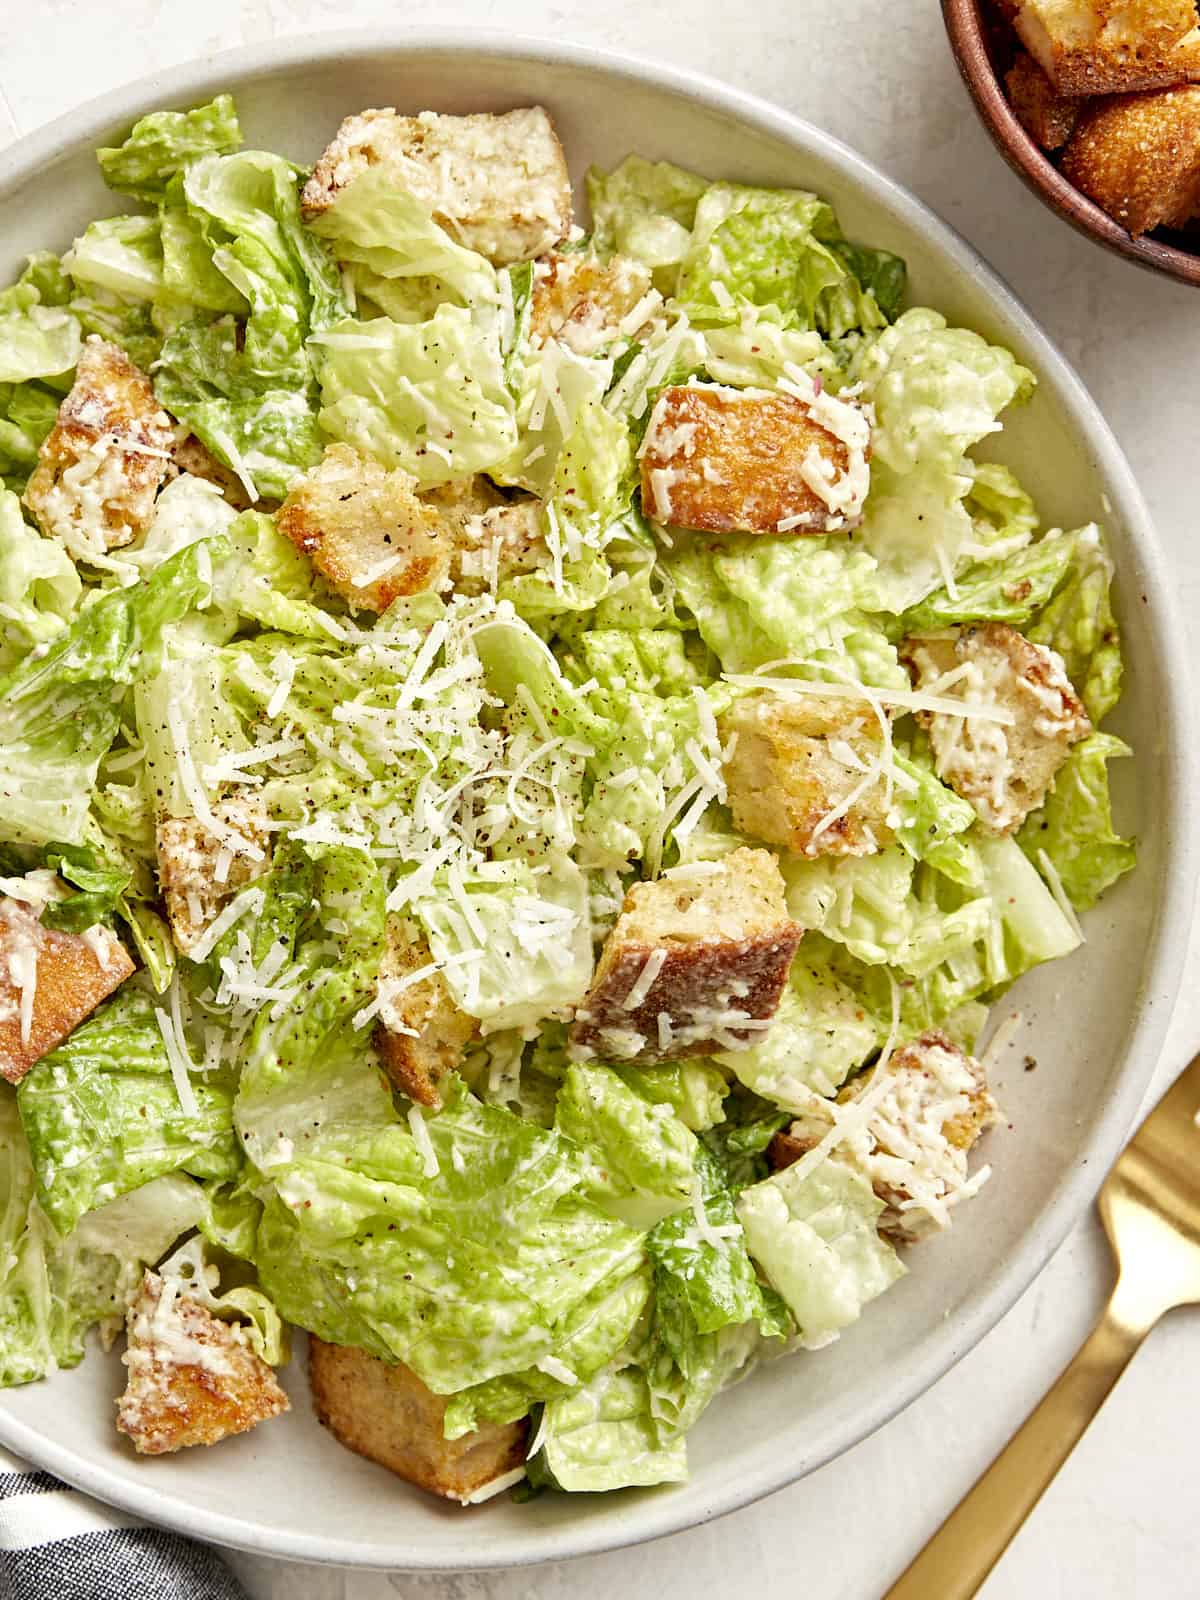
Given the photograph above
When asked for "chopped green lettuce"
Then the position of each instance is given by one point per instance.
(814, 1235)
(39, 586)
(1073, 830)
(58, 711)
(165, 143)
(103, 1116)
(1079, 624)
(639, 1155)
(429, 397)
(54, 1289)
(604, 1436)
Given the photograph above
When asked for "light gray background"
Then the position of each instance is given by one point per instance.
(1121, 1520)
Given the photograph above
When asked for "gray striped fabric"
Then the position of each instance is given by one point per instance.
(56, 1544)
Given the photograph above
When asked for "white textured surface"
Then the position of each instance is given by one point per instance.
(1120, 1522)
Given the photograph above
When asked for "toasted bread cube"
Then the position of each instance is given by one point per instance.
(493, 535)
(1003, 767)
(584, 303)
(387, 1414)
(1047, 116)
(914, 1146)
(366, 530)
(422, 1034)
(805, 774)
(193, 1379)
(1111, 46)
(1138, 157)
(100, 466)
(199, 871)
(49, 982)
(696, 962)
(751, 461)
(193, 455)
(497, 184)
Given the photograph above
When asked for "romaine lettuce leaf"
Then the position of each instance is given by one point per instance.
(36, 340)
(821, 1033)
(430, 397)
(640, 1157)
(167, 142)
(535, 933)
(102, 1114)
(645, 210)
(773, 247)
(756, 600)
(814, 1235)
(53, 1290)
(1074, 831)
(409, 265)
(39, 586)
(604, 1436)
(59, 712)
(594, 1333)
(1009, 590)
(1079, 623)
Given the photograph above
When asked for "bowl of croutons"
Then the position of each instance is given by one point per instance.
(1096, 105)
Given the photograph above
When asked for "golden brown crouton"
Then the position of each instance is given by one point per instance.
(366, 530)
(101, 465)
(422, 1034)
(198, 870)
(914, 1146)
(493, 536)
(49, 982)
(696, 962)
(1003, 760)
(194, 456)
(805, 774)
(1111, 46)
(387, 1414)
(193, 1379)
(1047, 116)
(749, 461)
(1138, 157)
(584, 303)
(497, 184)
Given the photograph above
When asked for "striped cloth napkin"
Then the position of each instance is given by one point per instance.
(56, 1544)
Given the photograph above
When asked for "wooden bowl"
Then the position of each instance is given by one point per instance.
(979, 51)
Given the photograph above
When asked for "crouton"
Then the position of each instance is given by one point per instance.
(584, 303)
(497, 184)
(193, 1379)
(422, 1034)
(101, 465)
(366, 530)
(493, 535)
(192, 455)
(1047, 116)
(1138, 157)
(914, 1146)
(49, 982)
(696, 962)
(805, 774)
(750, 461)
(387, 1414)
(1111, 46)
(1003, 767)
(199, 870)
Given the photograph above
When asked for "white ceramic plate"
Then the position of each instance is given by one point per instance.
(1094, 1023)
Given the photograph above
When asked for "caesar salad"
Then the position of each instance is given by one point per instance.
(527, 753)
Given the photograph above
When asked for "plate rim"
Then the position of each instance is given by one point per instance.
(638, 1517)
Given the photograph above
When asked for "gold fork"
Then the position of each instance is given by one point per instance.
(1150, 1207)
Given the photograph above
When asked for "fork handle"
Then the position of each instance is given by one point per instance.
(958, 1558)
